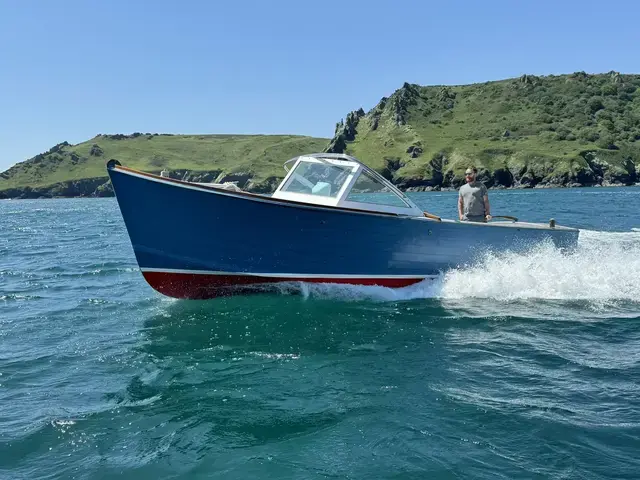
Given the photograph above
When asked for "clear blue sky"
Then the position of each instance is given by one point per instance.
(70, 69)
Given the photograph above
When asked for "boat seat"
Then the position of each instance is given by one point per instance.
(322, 188)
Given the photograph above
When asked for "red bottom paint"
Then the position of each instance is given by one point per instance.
(203, 286)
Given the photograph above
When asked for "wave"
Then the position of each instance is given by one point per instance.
(605, 267)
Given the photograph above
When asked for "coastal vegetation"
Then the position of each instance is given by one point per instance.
(566, 130)
(79, 170)
(532, 131)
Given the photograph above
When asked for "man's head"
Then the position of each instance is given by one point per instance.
(470, 174)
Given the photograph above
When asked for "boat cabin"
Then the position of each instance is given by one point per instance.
(340, 180)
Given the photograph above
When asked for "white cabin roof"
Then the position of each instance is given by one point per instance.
(339, 180)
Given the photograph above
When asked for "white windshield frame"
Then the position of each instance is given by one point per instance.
(357, 168)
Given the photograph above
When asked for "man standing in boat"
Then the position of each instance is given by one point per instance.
(473, 200)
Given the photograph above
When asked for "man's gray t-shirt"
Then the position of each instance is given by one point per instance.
(473, 199)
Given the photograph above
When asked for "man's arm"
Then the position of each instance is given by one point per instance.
(460, 206)
(487, 207)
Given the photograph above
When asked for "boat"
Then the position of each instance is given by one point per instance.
(332, 219)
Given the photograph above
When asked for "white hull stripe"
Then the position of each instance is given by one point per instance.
(283, 275)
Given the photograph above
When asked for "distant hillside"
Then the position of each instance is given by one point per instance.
(79, 170)
(567, 130)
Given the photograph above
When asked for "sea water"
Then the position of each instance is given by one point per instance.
(519, 366)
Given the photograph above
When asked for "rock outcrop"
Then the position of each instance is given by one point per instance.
(345, 132)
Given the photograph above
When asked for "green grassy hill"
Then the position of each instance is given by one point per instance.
(530, 131)
(72, 170)
(565, 130)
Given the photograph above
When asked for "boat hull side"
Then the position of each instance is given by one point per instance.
(253, 240)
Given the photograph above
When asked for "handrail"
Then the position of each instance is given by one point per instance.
(505, 216)
(288, 162)
(432, 216)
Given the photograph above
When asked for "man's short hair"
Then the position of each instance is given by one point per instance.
(474, 169)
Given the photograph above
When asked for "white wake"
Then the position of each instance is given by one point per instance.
(604, 267)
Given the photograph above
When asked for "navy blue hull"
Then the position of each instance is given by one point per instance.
(193, 242)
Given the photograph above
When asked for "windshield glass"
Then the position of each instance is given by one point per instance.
(368, 189)
(322, 179)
